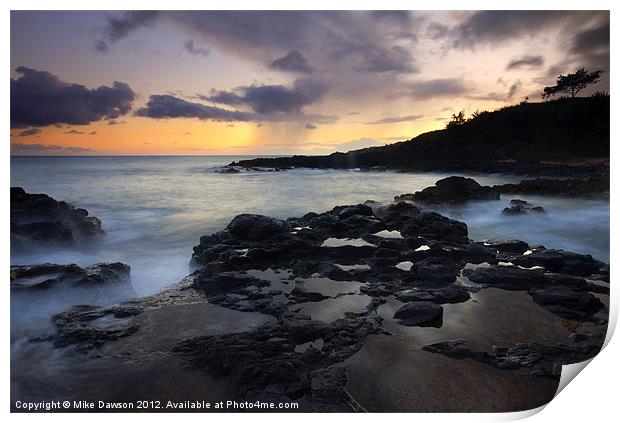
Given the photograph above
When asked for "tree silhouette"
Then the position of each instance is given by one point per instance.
(457, 119)
(573, 82)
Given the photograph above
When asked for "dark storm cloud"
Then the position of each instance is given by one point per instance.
(394, 119)
(525, 61)
(294, 61)
(593, 39)
(446, 87)
(364, 41)
(170, 107)
(394, 59)
(494, 26)
(310, 126)
(29, 132)
(591, 46)
(39, 98)
(44, 149)
(195, 50)
(167, 106)
(119, 27)
(266, 99)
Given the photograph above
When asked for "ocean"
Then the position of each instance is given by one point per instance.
(154, 209)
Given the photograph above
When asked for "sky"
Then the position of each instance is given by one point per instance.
(276, 82)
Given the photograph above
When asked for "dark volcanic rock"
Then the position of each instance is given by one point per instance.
(560, 261)
(266, 359)
(420, 314)
(532, 358)
(43, 276)
(357, 210)
(40, 220)
(454, 189)
(566, 301)
(435, 271)
(432, 225)
(518, 207)
(507, 277)
(255, 227)
(262, 265)
(507, 246)
(450, 294)
(597, 186)
(91, 326)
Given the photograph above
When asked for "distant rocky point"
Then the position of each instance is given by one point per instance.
(547, 138)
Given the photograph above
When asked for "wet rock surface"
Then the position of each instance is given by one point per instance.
(419, 314)
(44, 276)
(532, 359)
(322, 279)
(40, 220)
(520, 207)
(453, 189)
(265, 361)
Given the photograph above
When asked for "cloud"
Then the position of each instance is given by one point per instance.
(29, 132)
(267, 99)
(496, 26)
(170, 107)
(194, 50)
(362, 41)
(500, 97)
(447, 87)
(394, 119)
(592, 39)
(119, 27)
(513, 90)
(591, 46)
(294, 61)
(40, 98)
(395, 59)
(46, 149)
(525, 61)
(437, 31)
(167, 106)
(310, 126)
(73, 132)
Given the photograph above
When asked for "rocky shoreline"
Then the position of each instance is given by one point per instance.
(321, 284)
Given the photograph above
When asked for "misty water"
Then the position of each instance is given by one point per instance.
(154, 209)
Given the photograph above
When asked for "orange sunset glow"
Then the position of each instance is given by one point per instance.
(332, 81)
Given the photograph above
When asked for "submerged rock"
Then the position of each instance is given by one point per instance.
(454, 189)
(40, 220)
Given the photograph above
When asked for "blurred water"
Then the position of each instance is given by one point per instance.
(154, 209)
